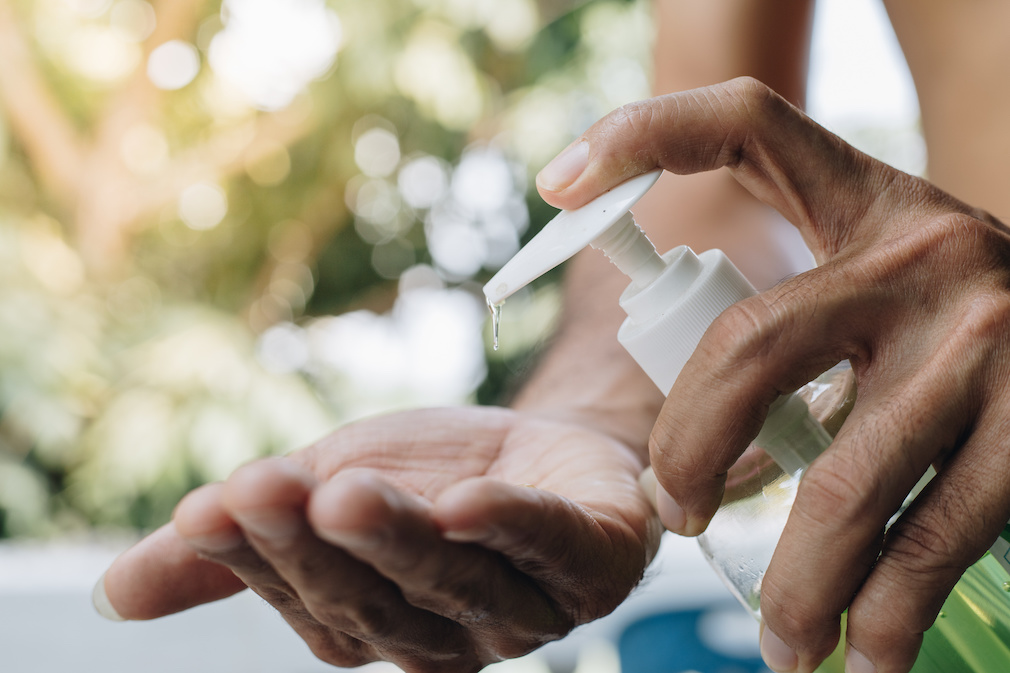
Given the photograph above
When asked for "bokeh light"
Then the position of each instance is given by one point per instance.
(202, 206)
(271, 50)
(377, 152)
(173, 65)
(423, 181)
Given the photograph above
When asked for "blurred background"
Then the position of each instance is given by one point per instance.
(227, 227)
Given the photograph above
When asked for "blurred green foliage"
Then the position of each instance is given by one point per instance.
(162, 210)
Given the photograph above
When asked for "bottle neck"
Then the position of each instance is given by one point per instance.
(630, 250)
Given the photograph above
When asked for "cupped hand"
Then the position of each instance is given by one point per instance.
(436, 539)
(913, 288)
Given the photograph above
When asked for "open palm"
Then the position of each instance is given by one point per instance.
(437, 539)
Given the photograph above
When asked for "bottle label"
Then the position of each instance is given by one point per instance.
(1001, 548)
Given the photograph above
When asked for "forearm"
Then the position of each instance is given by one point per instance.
(959, 57)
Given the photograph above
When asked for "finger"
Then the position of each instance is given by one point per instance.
(754, 352)
(809, 175)
(268, 500)
(162, 574)
(394, 533)
(844, 501)
(204, 523)
(159, 576)
(950, 525)
(561, 545)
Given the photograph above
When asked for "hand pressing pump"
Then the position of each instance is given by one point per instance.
(670, 302)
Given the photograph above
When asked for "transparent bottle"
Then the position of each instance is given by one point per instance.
(742, 535)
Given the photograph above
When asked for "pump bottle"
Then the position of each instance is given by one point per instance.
(670, 302)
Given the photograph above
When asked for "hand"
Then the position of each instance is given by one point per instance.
(438, 539)
(913, 288)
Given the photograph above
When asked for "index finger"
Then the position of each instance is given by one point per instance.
(815, 179)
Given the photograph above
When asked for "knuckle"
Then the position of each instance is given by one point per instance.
(755, 103)
(958, 232)
(743, 331)
(632, 118)
(752, 93)
(360, 617)
(334, 649)
(788, 614)
(633, 128)
(986, 317)
(282, 597)
(888, 629)
(678, 471)
(969, 245)
(922, 550)
(831, 494)
(976, 341)
(455, 600)
(897, 603)
(371, 621)
(912, 578)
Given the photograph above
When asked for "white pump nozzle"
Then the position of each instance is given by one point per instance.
(603, 223)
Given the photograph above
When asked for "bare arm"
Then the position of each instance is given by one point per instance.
(587, 375)
(959, 57)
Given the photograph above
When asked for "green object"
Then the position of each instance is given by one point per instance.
(972, 632)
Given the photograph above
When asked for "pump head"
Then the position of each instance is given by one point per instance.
(600, 223)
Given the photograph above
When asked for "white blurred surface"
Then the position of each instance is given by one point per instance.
(47, 623)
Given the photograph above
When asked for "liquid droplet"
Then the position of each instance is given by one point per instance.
(495, 321)
(942, 615)
(1006, 586)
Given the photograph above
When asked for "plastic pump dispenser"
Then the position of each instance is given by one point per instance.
(670, 302)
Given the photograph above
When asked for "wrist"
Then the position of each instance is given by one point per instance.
(589, 380)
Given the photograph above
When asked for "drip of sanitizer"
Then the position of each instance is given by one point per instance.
(670, 301)
(495, 310)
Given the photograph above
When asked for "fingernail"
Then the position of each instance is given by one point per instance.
(565, 168)
(856, 662)
(777, 655)
(100, 600)
(273, 525)
(670, 513)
